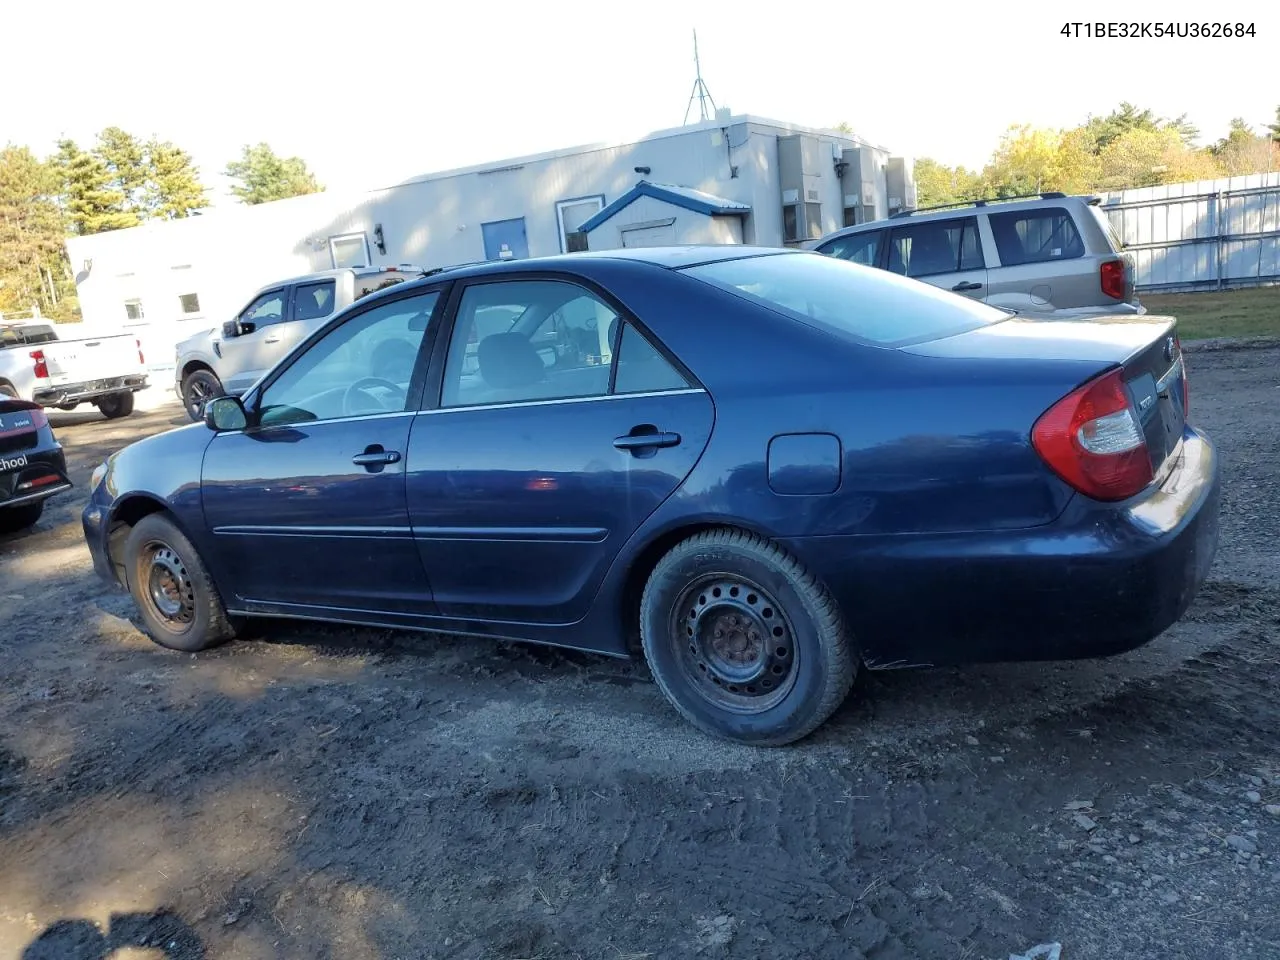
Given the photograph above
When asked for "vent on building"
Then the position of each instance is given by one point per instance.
(801, 160)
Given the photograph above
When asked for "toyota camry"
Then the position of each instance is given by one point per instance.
(761, 470)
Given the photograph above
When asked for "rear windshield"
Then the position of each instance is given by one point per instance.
(867, 304)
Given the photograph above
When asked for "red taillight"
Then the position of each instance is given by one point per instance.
(1093, 441)
(42, 365)
(1111, 274)
(141, 359)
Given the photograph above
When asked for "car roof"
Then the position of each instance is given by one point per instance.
(965, 209)
(673, 257)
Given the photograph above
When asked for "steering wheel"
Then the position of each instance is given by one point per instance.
(358, 387)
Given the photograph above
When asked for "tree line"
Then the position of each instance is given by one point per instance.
(118, 181)
(1129, 147)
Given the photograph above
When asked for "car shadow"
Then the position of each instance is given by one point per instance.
(161, 932)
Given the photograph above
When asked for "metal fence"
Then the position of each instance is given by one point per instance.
(1205, 235)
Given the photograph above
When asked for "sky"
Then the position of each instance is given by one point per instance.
(373, 94)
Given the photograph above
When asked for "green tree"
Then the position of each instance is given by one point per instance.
(936, 183)
(33, 265)
(173, 187)
(125, 159)
(1274, 128)
(1242, 151)
(1124, 118)
(264, 177)
(91, 201)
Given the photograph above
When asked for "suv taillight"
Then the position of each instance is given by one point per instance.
(1111, 275)
(42, 365)
(1092, 440)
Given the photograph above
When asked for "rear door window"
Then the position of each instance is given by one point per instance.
(313, 300)
(1035, 236)
(939, 246)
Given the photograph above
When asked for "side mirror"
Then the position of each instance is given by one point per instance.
(225, 413)
(230, 329)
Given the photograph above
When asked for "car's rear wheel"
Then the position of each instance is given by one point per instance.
(175, 594)
(198, 388)
(116, 405)
(745, 643)
(13, 519)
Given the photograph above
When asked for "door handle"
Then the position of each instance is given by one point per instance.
(373, 458)
(642, 439)
(271, 340)
(971, 285)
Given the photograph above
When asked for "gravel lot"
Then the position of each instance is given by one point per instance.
(325, 793)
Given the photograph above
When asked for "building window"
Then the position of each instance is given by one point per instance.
(133, 309)
(570, 215)
(349, 250)
(190, 303)
(790, 223)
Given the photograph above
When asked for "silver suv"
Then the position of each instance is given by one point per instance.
(1051, 253)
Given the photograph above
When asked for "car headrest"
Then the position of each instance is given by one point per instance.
(509, 360)
(393, 360)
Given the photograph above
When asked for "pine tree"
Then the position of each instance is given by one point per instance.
(91, 202)
(32, 256)
(124, 157)
(174, 189)
(265, 177)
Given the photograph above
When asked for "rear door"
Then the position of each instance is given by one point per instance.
(245, 358)
(539, 453)
(943, 253)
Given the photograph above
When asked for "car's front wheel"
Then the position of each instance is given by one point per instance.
(198, 388)
(13, 519)
(175, 594)
(745, 643)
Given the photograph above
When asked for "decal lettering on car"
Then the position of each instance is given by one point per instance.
(16, 463)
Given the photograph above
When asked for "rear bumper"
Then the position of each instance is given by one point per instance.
(89, 390)
(43, 474)
(1102, 580)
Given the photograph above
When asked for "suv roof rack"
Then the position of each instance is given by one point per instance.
(1051, 195)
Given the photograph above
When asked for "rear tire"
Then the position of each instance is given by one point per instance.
(116, 405)
(14, 519)
(745, 643)
(198, 388)
(174, 592)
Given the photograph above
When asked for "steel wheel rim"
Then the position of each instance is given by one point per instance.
(167, 587)
(735, 642)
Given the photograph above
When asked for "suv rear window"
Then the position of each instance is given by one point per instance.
(1036, 236)
(862, 303)
(1104, 223)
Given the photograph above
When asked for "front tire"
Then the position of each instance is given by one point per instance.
(13, 519)
(198, 388)
(116, 405)
(174, 592)
(745, 643)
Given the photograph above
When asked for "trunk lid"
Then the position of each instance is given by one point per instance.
(91, 358)
(1146, 347)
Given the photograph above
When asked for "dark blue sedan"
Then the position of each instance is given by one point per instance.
(760, 469)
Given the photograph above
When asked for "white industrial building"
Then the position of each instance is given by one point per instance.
(734, 179)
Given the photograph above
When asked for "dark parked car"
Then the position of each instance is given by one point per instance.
(761, 469)
(33, 467)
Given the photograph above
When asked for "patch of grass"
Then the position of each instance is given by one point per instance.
(1249, 312)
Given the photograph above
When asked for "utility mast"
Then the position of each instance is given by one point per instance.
(700, 91)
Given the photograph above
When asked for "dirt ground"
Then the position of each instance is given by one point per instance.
(327, 793)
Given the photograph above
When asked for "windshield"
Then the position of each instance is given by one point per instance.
(864, 303)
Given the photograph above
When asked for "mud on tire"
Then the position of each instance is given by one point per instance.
(176, 597)
(743, 640)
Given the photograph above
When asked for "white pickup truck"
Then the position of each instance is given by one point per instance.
(38, 365)
(279, 316)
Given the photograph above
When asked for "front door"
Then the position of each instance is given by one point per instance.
(505, 240)
(531, 473)
(308, 504)
(243, 358)
(943, 253)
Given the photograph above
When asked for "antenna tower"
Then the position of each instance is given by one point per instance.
(700, 91)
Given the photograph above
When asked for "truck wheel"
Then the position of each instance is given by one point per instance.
(175, 594)
(743, 640)
(116, 405)
(13, 519)
(198, 388)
